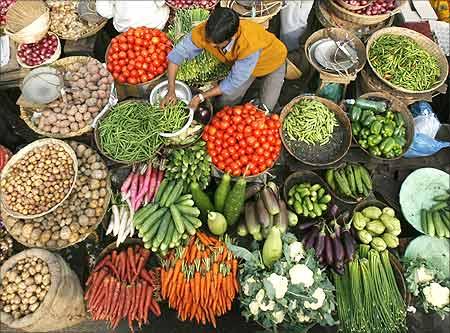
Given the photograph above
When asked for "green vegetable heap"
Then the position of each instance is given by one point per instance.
(401, 61)
(436, 220)
(311, 122)
(351, 181)
(381, 132)
(204, 67)
(379, 228)
(130, 131)
(308, 200)
(190, 164)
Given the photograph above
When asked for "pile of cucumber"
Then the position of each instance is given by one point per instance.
(169, 219)
(436, 220)
(308, 200)
(350, 181)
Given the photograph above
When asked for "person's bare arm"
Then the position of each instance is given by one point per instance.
(171, 97)
(195, 102)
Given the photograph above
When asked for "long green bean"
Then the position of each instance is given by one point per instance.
(311, 122)
(130, 131)
(401, 61)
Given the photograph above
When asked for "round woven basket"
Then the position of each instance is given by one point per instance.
(26, 113)
(317, 155)
(272, 8)
(396, 105)
(341, 34)
(348, 15)
(19, 155)
(32, 33)
(91, 32)
(50, 60)
(424, 42)
(351, 7)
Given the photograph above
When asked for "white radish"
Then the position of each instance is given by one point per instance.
(111, 225)
(116, 217)
(123, 225)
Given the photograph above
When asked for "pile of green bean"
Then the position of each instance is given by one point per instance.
(130, 131)
(401, 61)
(311, 122)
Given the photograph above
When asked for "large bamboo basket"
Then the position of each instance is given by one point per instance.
(273, 7)
(317, 155)
(26, 113)
(396, 105)
(21, 154)
(342, 34)
(348, 15)
(424, 42)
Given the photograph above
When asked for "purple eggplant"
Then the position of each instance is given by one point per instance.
(307, 225)
(349, 245)
(329, 258)
(334, 210)
(337, 247)
(309, 243)
(337, 229)
(320, 243)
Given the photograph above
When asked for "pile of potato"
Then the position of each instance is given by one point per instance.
(24, 287)
(76, 216)
(87, 90)
(39, 181)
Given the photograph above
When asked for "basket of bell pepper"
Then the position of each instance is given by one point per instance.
(381, 125)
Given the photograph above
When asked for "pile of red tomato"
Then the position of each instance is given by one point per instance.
(138, 55)
(243, 140)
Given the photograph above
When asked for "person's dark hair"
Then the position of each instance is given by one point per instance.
(222, 24)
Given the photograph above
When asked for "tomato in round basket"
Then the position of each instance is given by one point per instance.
(243, 140)
(138, 55)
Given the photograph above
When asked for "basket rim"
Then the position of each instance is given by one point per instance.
(19, 155)
(99, 26)
(415, 36)
(336, 109)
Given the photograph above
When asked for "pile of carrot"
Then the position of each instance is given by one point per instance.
(121, 287)
(200, 280)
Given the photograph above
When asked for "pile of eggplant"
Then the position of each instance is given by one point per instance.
(333, 241)
(263, 209)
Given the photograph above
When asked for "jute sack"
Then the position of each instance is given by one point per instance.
(63, 306)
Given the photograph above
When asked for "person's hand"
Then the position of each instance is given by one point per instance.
(170, 98)
(195, 102)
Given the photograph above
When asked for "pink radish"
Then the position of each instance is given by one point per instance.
(134, 188)
(146, 183)
(158, 182)
(152, 184)
(126, 184)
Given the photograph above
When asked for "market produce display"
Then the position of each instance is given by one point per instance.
(308, 200)
(242, 140)
(200, 279)
(35, 54)
(401, 61)
(209, 4)
(351, 181)
(377, 227)
(189, 165)
(204, 67)
(436, 220)
(6, 244)
(379, 130)
(368, 299)
(77, 216)
(122, 287)
(5, 155)
(375, 7)
(138, 55)
(292, 295)
(38, 181)
(130, 131)
(24, 287)
(311, 122)
(4, 5)
(354, 4)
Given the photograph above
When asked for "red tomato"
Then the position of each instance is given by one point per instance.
(251, 140)
(122, 79)
(117, 68)
(249, 150)
(232, 150)
(131, 54)
(160, 70)
(132, 80)
(259, 151)
(213, 152)
(211, 146)
(225, 153)
(205, 136)
(122, 39)
(125, 72)
(221, 165)
(155, 40)
(115, 75)
(144, 78)
(237, 110)
(110, 67)
(139, 41)
(212, 130)
(219, 134)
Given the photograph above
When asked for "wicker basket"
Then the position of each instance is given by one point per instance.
(32, 33)
(329, 153)
(50, 60)
(87, 34)
(273, 8)
(341, 34)
(425, 43)
(347, 15)
(26, 113)
(351, 7)
(396, 106)
(19, 155)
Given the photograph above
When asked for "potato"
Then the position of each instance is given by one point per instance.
(83, 108)
(87, 117)
(78, 116)
(27, 230)
(74, 126)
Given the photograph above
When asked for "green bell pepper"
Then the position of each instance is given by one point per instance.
(390, 115)
(356, 113)
(387, 130)
(398, 117)
(363, 143)
(375, 127)
(400, 140)
(365, 114)
(399, 131)
(374, 140)
(356, 128)
(375, 151)
(365, 132)
(368, 120)
(387, 145)
(397, 149)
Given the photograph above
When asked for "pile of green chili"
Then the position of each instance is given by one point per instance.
(311, 122)
(130, 131)
(401, 61)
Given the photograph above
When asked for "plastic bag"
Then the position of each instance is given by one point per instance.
(332, 91)
(423, 145)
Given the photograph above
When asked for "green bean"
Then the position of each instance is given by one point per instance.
(400, 60)
(311, 122)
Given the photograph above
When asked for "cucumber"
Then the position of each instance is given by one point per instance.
(188, 210)
(147, 211)
(438, 206)
(201, 200)
(222, 192)
(445, 219)
(161, 189)
(176, 215)
(358, 180)
(168, 237)
(342, 183)
(423, 220)
(235, 201)
(152, 219)
(439, 225)
(183, 198)
(166, 193)
(162, 230)
(188, 226)
(317, 210)
(430, 224)
(194, 221)
(309, 204)
(175, 194)
(148, 237)
(188, 202)
(329, 177)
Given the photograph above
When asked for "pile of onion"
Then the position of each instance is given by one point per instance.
(192, 3)
(34, 54)
(356, 3)
(378, 7)
(4, 5)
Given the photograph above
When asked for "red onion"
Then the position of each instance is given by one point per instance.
(4, 5)
(34, 54)
(191, 3)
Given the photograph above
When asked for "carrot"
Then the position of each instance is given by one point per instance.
(165, 283)
(137, 299)
(109, 296)
(155, 308)
(203, 238)
(142, 301)
(139, 269)
(132, 301)
(99, 297)
(148, 302)
(102, 262)
(196, 284)
(146, 276)
(96, 283)
(194, 310)
(91, 278)
(114, 258)
(112, 268)
(115, 302)
(202, 288)
(176, 273)
(131, 259)
(212, 317)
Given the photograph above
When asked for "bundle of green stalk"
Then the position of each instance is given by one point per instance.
(368, 297)
(204, 67)
(311, 122)
(130, 131)
(401, 61)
